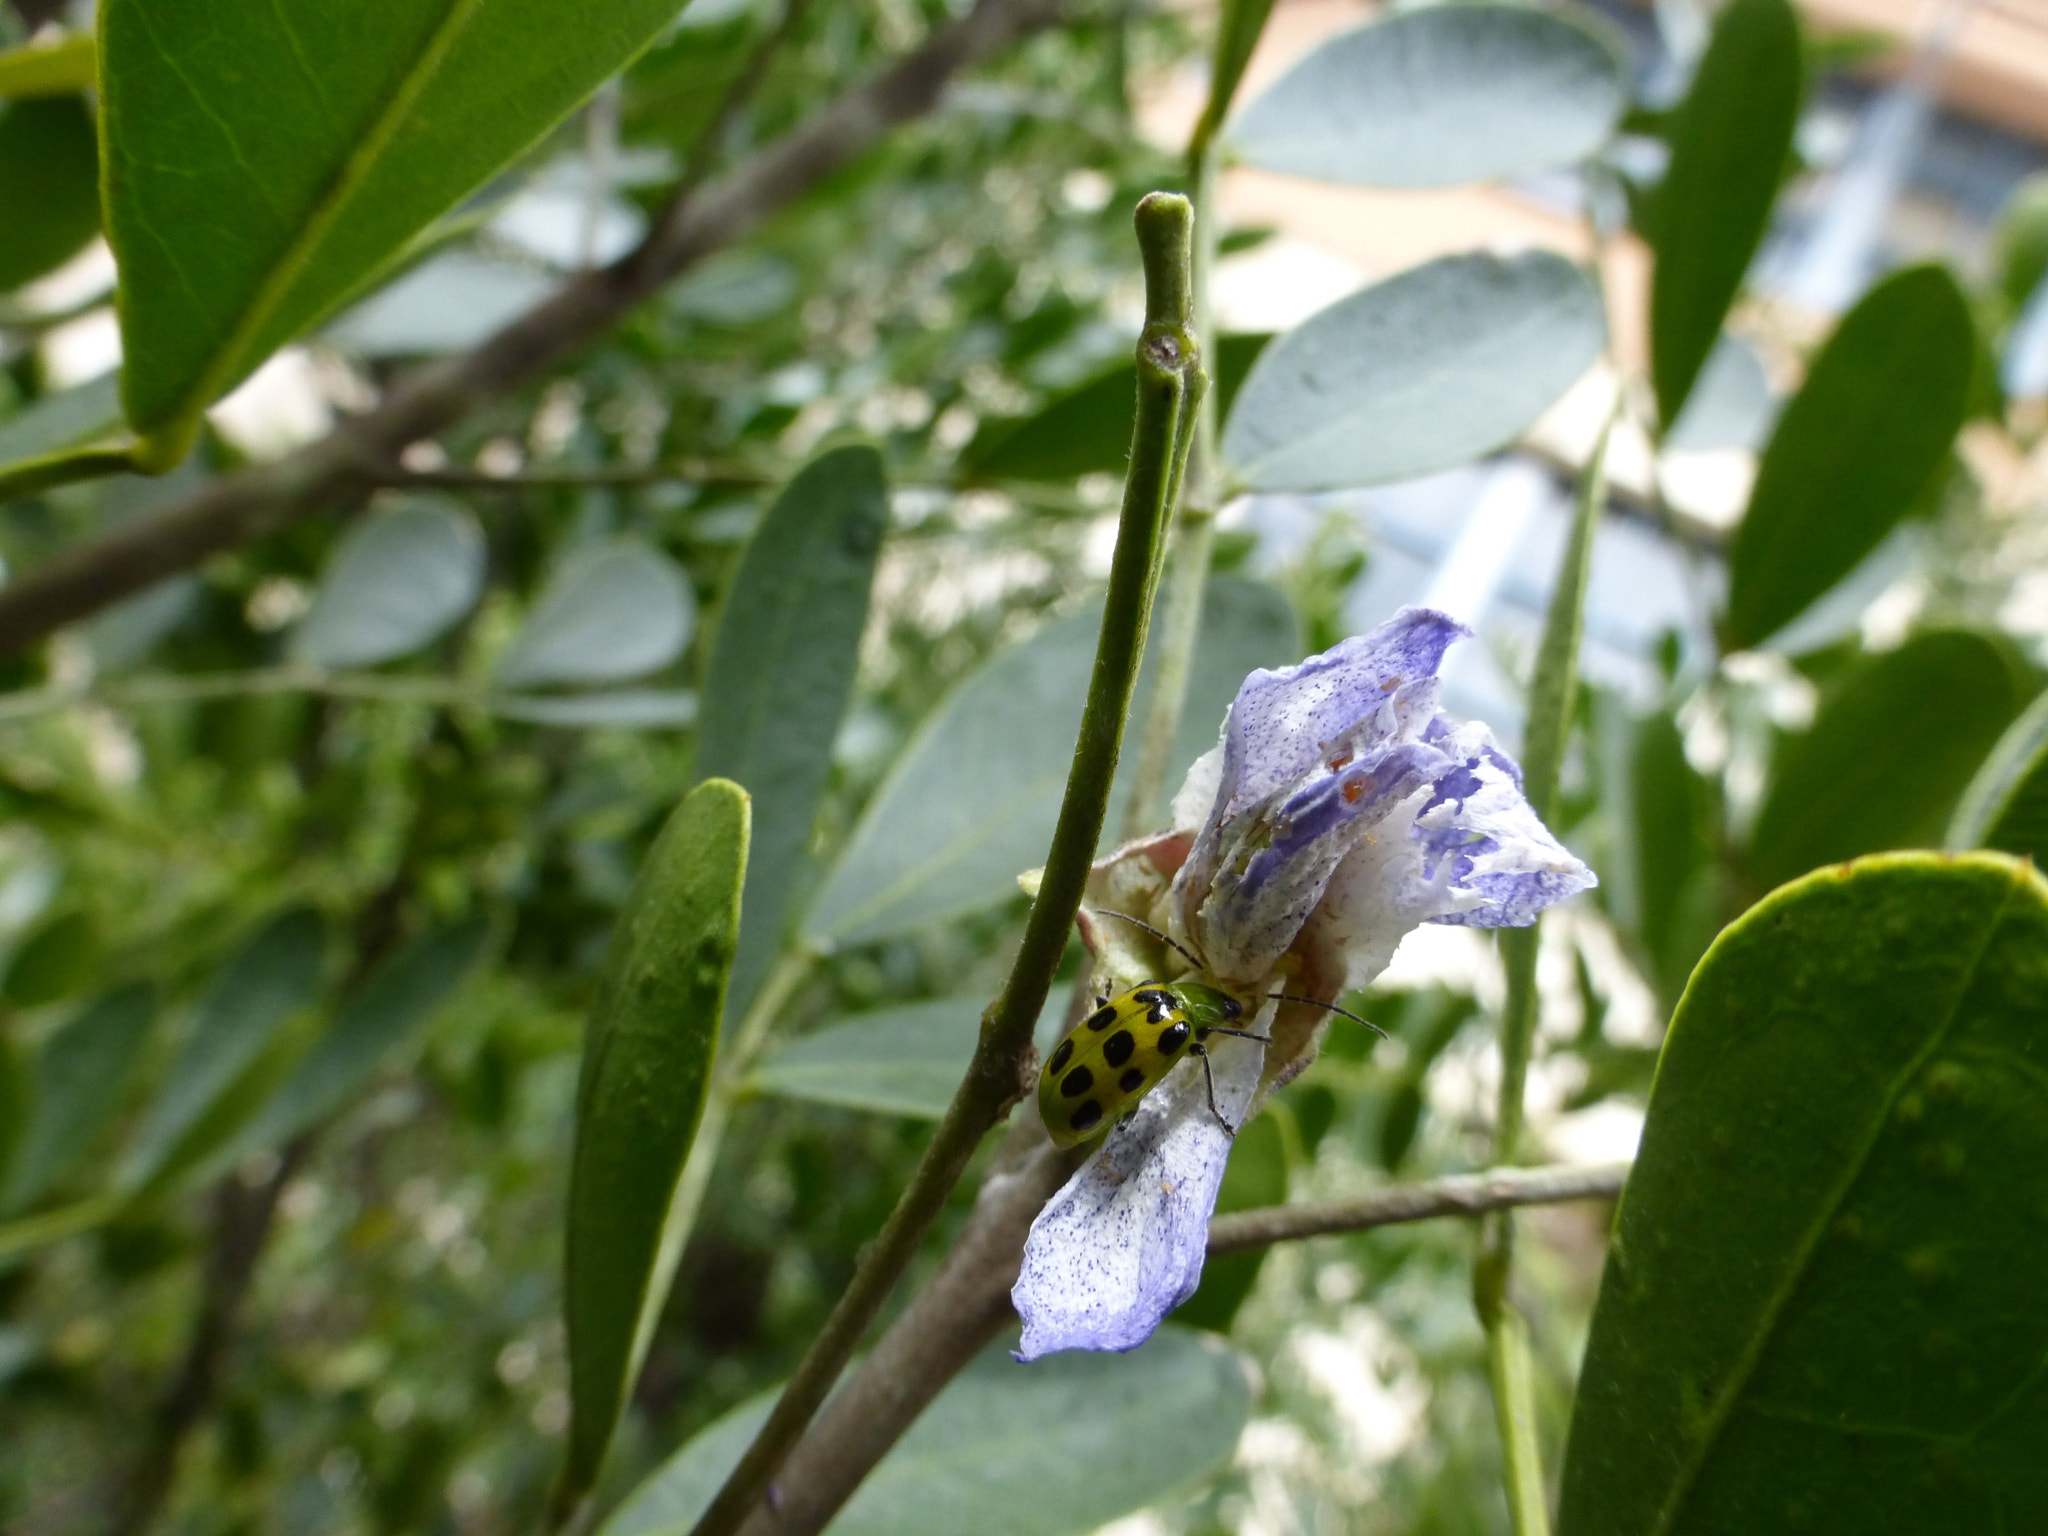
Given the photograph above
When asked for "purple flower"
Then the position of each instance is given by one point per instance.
(1340, 810)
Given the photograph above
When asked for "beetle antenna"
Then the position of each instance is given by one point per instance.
(1162, 938)
(1317, 1002)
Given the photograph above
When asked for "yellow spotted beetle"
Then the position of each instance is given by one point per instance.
(1125, 1048)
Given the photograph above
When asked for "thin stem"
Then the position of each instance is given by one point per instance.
(1552, 688)
(1463, 1194)
(1167, 366)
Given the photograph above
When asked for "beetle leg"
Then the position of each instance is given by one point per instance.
(1209, 1076)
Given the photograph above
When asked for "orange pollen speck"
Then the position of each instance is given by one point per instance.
(1337, 763)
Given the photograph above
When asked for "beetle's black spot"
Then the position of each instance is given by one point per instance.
(1101, 1019)
(1152, 998)
(1060, 1058)
(1076, 1083)
(1086, 1117)
(1131, 1080)
(1116, 1050)
(1162, 1012)
(1173, 1039)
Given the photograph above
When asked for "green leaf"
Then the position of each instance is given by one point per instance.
(781, 672)
(268, 980)
(49, 185)
(972, 802)
(1676, 878)
(381, 1015)
(1855, 448)
(1821, 1306)
(646, 1064)
(264, 161)
(58, 959)
(2006, 804)
(1087, 430)
(626, 707)
(62, 68)
(396, 581)
(615, 611)
(63, 420)
(1429, 369)
(1056, 1448)
(1894, 743)
(1440, 97)
(77, 1077)
(1731, 140)
(893, 1061)
(2020, 242)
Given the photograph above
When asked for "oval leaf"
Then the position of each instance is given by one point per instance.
(64, 420)
(610, 613)
(268, 980)
(301, 145)
(388, 1009)
(1821, 1306)
(2006, 805)
(1440, 97)
(1855, 448)
(1893, 745)
(76, 1082)
(632, 707)
(781, 673)
(893, 1061)
(646, 1064)
(1427, 370)
(396, 582)
(972, 802)
(1731, 141)
(49, 186)
(1056, 1448)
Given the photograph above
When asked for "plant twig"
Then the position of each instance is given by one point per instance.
(1552, 687)
(1461, 1194)
(1169, 374)
(967, 1303)
(242, 1218)
(340, 469)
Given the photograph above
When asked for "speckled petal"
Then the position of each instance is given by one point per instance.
(1478, 829)
(1121, 1245)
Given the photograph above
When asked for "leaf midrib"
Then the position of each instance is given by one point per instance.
(1752, 1352)
(270, 295)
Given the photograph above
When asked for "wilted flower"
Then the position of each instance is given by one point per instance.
(1340, 810)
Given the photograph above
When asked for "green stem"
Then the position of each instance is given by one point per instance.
(1169, 369)
(1552, 688)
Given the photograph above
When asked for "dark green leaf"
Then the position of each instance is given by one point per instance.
(1821, 1307)
(1662, 882)
(646, 1065)
(76, 1079)
(1854, 449)
(57, 959)
(1438, 97)
(611, 612)
(265, 161)
(1894, 744)
(971, 803)
(49, 185)
(781, 673)
(1429, 369)
(1055, 1448)
(377, 1018)
(2006, 804)
(1731, 140)
(268, 980)
(1087, 430)
(395, 582)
